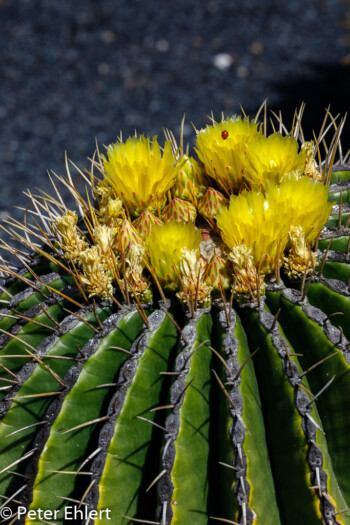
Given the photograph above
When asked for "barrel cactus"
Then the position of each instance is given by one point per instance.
(175, 350)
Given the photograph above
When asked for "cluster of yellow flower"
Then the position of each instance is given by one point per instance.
(250, 205)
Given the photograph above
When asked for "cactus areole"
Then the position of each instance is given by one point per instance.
(174, 350)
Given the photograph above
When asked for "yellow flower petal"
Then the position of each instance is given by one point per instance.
(303, 202)
(139, 173)
(166, 244)
(221, 147)
(256, 222)
(263, 223)
(271, 158)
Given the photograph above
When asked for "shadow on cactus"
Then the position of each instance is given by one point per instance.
(175, 350)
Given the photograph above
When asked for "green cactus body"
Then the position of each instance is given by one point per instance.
(169, 413)
(262, 431)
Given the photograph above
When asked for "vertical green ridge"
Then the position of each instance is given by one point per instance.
(222, 500)
(259, 475)
(311, 341)
(190, 468)
(123, 474)
(286, 441)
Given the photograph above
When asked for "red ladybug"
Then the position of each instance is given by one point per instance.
(224, 134)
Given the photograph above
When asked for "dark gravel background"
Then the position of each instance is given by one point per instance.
(73, 70)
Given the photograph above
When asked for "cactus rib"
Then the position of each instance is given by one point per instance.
(322, 340)
(249, 461)
(125, 439)
(183, 489)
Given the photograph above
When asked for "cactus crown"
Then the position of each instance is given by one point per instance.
(274, 185)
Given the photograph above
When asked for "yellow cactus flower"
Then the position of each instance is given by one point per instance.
(271, 158)
(302, 202)
(259, 224)
(139, 173)
(166, 244)
(221, 148)
(264, 223)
